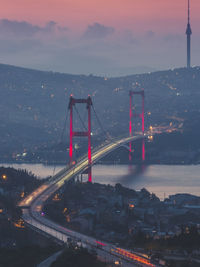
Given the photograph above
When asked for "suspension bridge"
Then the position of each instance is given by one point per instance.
(32, 205)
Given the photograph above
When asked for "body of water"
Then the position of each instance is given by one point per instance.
(163, 180)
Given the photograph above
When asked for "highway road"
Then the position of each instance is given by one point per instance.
(33, 215)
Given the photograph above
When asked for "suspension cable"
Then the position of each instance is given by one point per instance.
(107, 135)
(65, 124)
(61, 136)
(80, 119)
(100, 124)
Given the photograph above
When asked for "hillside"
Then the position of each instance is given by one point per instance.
(33, 103)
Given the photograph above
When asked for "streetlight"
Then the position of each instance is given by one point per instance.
(4, 176)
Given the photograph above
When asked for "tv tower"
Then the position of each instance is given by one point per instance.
(188, 33)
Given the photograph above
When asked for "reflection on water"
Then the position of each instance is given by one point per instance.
(163, 180)
(159, 179)
(133, 175)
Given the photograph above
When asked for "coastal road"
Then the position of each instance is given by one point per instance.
(33, 214)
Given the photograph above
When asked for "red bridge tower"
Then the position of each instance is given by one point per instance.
(88, 102)
(135, 115)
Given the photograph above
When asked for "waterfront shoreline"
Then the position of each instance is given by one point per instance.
(163, 180)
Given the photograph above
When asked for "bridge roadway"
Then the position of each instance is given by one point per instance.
(33, 216)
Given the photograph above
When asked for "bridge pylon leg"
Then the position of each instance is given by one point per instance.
(130, 126)
(71, 135)
(141, 116)
(130, 152)
(89, 145)
(143, 141)
(143, 150)
(87, 133)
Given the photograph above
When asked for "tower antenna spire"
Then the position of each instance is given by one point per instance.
(188, 33)
(188, 11)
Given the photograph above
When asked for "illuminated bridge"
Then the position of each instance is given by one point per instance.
(32, 205)
(35, 218)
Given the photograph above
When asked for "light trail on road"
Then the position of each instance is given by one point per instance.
(32, 209)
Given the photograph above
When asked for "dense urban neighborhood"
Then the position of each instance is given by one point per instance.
(31, 130)
(166, 231)
(129, 218)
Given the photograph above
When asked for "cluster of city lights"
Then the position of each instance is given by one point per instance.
(4, 177)
(134, 257)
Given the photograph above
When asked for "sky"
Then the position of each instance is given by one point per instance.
(100, 37)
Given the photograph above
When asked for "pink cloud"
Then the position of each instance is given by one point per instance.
(109, 36)
(78, 14)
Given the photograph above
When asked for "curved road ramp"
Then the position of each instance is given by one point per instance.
(33, 216)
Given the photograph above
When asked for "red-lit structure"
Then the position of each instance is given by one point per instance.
(135, 115)
(88, 102)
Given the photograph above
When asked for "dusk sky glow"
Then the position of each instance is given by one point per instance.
(111, 37)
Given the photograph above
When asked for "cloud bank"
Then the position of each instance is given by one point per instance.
(26, 29)
(98, 30)
(99, 49)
